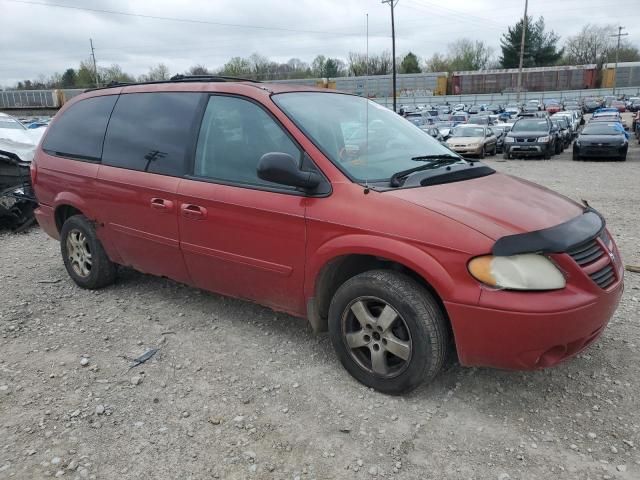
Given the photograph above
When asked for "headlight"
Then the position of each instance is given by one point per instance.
(528, 271)
(509, 139)
(543, 139)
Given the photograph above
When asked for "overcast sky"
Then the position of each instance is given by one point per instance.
(41, 37)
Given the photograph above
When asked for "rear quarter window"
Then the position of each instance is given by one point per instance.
(79, 131)
(152, 132)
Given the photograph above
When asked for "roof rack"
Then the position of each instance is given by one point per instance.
(178, 79)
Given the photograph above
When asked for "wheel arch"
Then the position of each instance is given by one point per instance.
(343, 258)
(68, 204)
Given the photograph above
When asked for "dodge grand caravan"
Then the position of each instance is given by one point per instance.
(330, 207)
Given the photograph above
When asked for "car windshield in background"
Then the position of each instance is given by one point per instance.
(468, 132)
(10, 124)
(602, 129)
(373, 151)
(530, 126)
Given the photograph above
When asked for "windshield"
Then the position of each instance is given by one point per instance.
(468, 132)
(602, 129)
(459, 118)
(382, 143)
(10, 124)
(530, 126)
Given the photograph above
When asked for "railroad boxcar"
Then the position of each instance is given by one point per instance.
(538, 79)
(375, 86)
(628, 75)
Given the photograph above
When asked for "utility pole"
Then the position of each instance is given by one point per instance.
(619, 35)
(95, 68)
(524, 36)
(392, 4)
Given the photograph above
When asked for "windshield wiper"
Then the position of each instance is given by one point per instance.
(435, 161)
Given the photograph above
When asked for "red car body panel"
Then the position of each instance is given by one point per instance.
(272, 248)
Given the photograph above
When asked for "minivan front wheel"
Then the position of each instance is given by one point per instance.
(84, 257)
(388, 331)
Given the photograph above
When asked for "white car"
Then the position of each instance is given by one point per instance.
(574, 119)
(16, 138)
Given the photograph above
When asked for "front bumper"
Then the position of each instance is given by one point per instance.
(595, 151)
(531, 149)
(463, 149)
(532, 330)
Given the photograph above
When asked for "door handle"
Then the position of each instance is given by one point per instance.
(194, 212)
(161, 204)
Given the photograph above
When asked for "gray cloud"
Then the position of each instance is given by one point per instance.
(42, 39)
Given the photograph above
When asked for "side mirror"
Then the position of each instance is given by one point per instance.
(282, 168)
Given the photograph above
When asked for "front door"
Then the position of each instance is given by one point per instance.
(240, 235)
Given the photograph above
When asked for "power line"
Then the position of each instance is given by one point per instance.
(184, 20)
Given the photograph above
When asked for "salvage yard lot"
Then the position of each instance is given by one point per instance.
(238, 391)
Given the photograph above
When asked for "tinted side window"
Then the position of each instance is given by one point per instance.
(234, 134)
(151, 132)
(79, 132)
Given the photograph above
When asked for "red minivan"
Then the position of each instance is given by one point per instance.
(331, 207)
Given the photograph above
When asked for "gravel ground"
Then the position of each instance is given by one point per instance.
(238, 391)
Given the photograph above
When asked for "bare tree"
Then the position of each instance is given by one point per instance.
(158, 73)
(465, 54)
(595, 45)
(198, 70)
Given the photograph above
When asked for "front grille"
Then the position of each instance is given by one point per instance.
(604, 277)
(587, 253)
(592, 251)
(525, 140)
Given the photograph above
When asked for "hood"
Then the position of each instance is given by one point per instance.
(495, 205)
(464, 140)
(24, 150)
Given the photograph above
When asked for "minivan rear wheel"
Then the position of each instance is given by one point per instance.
(388, 331)
(84, 257)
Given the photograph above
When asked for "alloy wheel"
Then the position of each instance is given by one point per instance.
(377, 336)
(79, 253)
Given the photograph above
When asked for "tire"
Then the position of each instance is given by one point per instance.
(494, 151)
(547, 154)
(506, 155)
(419, 328)
(84, 257)
(482, 153)
(576, 155)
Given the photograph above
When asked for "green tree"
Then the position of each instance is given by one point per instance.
(410, 64)
(114, 74)
(540, 46)
(85, 76)
(237, 67)
(69, 78)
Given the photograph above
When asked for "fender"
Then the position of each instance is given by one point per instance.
(75, 201)
(398, 251)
